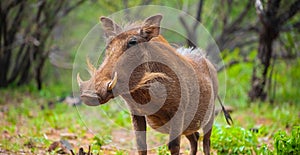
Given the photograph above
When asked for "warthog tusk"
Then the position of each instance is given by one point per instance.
(113, 82)
(79, 81)
(92, 69)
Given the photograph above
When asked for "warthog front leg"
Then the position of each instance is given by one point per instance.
(176, 125)
(193, 139)
(139, 124)
(174, 146)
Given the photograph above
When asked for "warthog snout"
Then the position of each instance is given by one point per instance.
(96, 93)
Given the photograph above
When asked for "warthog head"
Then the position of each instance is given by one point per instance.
(98, 89)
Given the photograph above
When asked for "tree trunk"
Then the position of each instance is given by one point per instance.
(267, 35)
(23, 59)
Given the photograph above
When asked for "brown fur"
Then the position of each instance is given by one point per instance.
(143, 96)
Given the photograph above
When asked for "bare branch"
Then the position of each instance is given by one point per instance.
(234, 62)
(198, 15)
(73, 6)
(227, 38)
(240, 18)
(183, 22)
(140, 9)
(16, 22)
(185, 6)
(199, 11)
(125, 4)
(247, 42)
(293, 9)
(40, 10)
(290, 27)
(126, 11)
(146, 2)
(191, 40)
(273, 6)
(12, 4)
(59, 7)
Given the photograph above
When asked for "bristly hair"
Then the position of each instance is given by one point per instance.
(126, 27)
(191, 51)
(131, 25)
(149, 76)
(195, 54)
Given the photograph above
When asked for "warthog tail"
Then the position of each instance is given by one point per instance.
(226, 114)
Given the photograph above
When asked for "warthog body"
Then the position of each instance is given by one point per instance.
(173, 93)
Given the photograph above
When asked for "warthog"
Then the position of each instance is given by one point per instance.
(174, 93)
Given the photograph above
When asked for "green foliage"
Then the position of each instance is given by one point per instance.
(233, 140)
(282, 89)
(98, 142)
(264, 150)
(28, 122)
(123, 118)
(285, 144)
(101, 140)
(286, 81)
(121, 152)
(163, 150)
(237, 78)
(266, 119)
(34, 142)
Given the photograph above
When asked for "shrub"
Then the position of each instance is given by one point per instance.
(285, 144)
(233, 140)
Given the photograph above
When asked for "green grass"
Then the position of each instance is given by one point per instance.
(29, 127)
(163, 150)
(266, 119)
(29, 124)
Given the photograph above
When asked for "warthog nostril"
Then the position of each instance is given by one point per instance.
(90, 98)
(89, 93)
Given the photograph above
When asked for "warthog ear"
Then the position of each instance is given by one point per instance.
(110, 28)
(151, 27)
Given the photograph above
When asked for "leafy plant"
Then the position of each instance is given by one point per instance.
(264, 150)
(123, 118)
(101, 140)
(233, 140)
(98, 142)
(121, 152)
(285, 144)
(163, 150)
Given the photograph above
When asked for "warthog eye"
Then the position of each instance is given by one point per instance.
(133, 41)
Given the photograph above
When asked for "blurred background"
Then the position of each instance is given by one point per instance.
(258, 42)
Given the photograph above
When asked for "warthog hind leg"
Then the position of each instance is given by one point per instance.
(193, 139)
